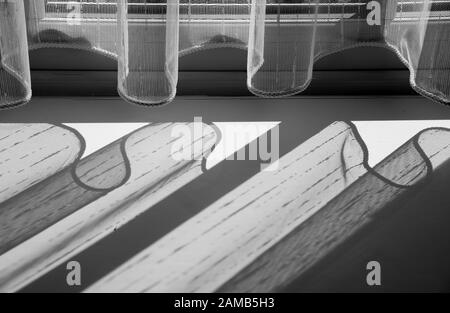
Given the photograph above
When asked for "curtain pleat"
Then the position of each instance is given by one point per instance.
(283, 37)
(281, 51)
(15, 83)
(148, 51)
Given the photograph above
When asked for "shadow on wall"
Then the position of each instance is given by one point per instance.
(410, 240)
(380, 243)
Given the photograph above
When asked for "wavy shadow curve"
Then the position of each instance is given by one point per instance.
(83, 181)
(57, 193)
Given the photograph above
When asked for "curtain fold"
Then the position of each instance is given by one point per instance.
(15, 83)
(148, 51)
(283, 37)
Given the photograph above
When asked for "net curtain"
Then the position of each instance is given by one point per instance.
(283, 38)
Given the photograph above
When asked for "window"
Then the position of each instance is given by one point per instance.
(330, 12)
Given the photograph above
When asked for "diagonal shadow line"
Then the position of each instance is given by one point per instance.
(409, 238)
(72, 169)
(123, 142)
(94, 193)
(268, 261)
(151, 225)
(129, 233)
(148, 252)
